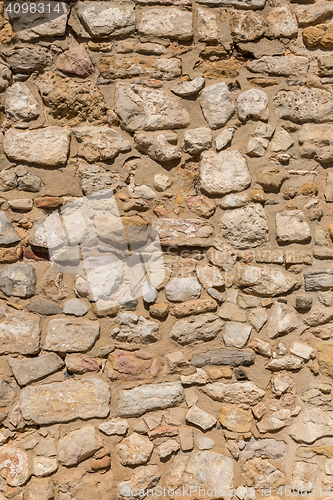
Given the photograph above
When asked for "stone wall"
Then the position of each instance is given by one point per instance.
(211, 121)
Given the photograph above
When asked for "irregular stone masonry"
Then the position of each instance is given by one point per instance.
(211, 122)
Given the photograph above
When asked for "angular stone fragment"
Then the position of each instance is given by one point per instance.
(179, 232)
(150, 397)
(40, 489)
(316, 141)
(135, 328)
(197, 140)
(99, 143)
(285, 363)
(235, 419)
(265, 282)
(313, 13)
(8, 235)
(29, 59)
(166, 22)
(75, 61)
(187, 89)
(207, 23)
(160, 146)
(44, 466)
(303, 476)
(302, 350)
(224, 172)
(282, 141)
(224, 137)
(143, 478)
(197, 329)
(296, 66)
(19, 331)
(257, 146)
(180, 289)
(44, 146)
(116, 426)
(217, 105)
(200, 417)
(134, 450)
(231, 357)
(65, 401)
(275, 422)
(139, 65)
(283, 319)
(265, 448)
(31, 369)
(260, 473)
(18, 280)
(20, 103)
(14, 465)
(78, 445)
(258, 318)
(28, 30)
(71, 335)
(319, 280)
(107, 18)
(310, 425)
(144, 108)
(245, 227)
(281, 22)
(235, 393)
(291, 227)
(236, 334)
(253, 103)
(246, 26)
(305, 105)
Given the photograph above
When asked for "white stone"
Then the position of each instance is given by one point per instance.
(186, 89)
(237, 393)
(310, 425)
(236, 334)
(282, 141)
(166, 22)
(201, 418)
(180, 289)
(304, 475)
(224, 172)
(99, 143)
(266, 282)
(78, 445)
(245, 227)
(224, 138)
(253, 103)
(20, 103)
(258, 318)
(162, 182)
(302, 350)
(283, 319)
(257, 146)
(281, 23)
(44, 466)
(202, 442)
(217, 105)
(107, 18)
(19, 331)
(167, 448)
(116, 426)
(291, 227)
(71, 335)
(207, 25)
(197, 140)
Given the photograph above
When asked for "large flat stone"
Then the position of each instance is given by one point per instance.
(71, 335)
(305, 105)
(316, 141)
(232, 357)
(245, 227)
(310, 425)
(19, 331)
(280, 65)
(166, 21)
(192, 330)
(242, 4)
(224, 172)
(44, 146)
(183, 232)
(139, 65)
(65, 401)
(319, 280)
(150, 397)
(31, 369)
(235, 393)
(107, 18)
(263, 281)
(217, 105)
(141, 108)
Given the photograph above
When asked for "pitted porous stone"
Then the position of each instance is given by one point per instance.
(103, 19)
(150, 397)
(19, 331)
(253, 103)
(305, 105)
(65, 401)
(217, 105)
(245, 227)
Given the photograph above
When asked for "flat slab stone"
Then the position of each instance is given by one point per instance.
(44, 146)
(310, 425)
(187, 232)
(107, 18)
(236, 393)
(19, 331)
(71, 335)
(320, 280)
(232, 357)
(224, 172)
(139, 65)
(32, 369)
(305, 105)
(243, 4)
(137, 401)
(166, 21)
(196, 329)
(65, 401)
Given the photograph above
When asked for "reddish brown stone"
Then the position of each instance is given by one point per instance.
(48, 202)
(101, 463)
(161, 211)
(10, 255)
(138, 365)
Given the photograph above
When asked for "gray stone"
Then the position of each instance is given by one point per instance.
(19, 331)
(160, 146)
(20, 103)
(150, 397)
(258, 318)
(235, 393)
(94, 178)
(296, 66)
(7, 392)
(223, 357)
(264, 282)
(75, 307)
(253, 103)
(29, 182)
(265, 448)
(217, 105)
(33, 369)
(5, 76)
(99, 143)
(257, 146)
(71, 335)
(245, 227)
(310, 425)
(282, 141)
(319, 280)
(197, 140)
(44, 146)
(192, 330)
(44, 307)
(103, 19)
(167, 22)
(187, 89)
(29, 28)
(28, 59)
(18, 280)
(180, 232)
(236, 334)
(242, 4)
(141, 108)
(180, 289)
(224, 172)
(291, 227)
(8, 235)
(65, 401)
(78, 445)
(304, 105)
(136, 329)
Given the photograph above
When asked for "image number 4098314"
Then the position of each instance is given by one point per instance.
(25, 15)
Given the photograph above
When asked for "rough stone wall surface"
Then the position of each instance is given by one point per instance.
(212, 122)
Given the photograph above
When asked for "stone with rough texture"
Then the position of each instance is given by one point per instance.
(187, 89)
(148, 109)
(224, 172)
(304, 105)
(245, 227)
(139, 65)
(18, 280)
(179, 232)
(200, 417)
(291, 227)
(231, 357)
(134, 450)
(202, 328)
(283, 319)
(281, 22)
(143, 478)
(20, 103)
(14, 465)
(137, 401)
(8, 235)
(103, 19)
(168, 22)
(133, 328)
(71, 335)
(46, 146)
(310, 425)
(180, 289)
(235, 419)
(265, 282)
(78, 445)
(217, 105)
(246, 26)
(99, 143)
(19, 331)
(197, 140)
(160, 146)
(65, 401)
(260, 473)
(265, 448)
(253, 103)
(316, 141)
(235, 393)
(116, 426)
(33, 369)
(296, 66)
(325, 351)
(303, 476)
